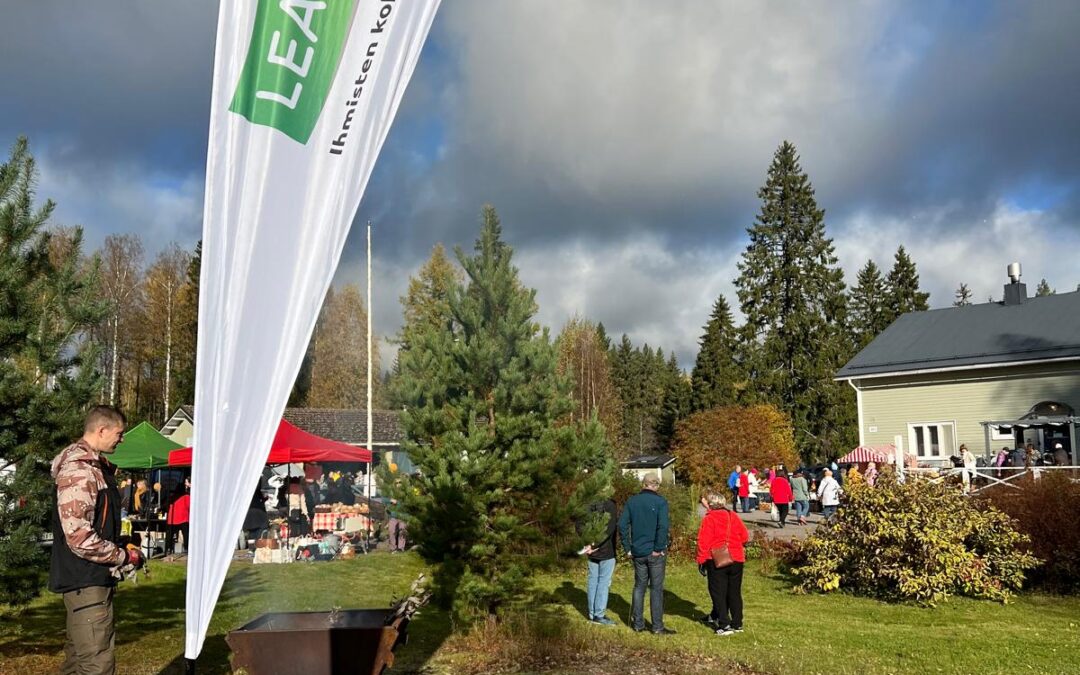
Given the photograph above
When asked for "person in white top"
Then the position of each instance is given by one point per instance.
(829, 493)
(969, 466)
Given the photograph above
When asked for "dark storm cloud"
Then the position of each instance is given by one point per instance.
(623, 143)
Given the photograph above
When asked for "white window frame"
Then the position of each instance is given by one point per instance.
(914, 445)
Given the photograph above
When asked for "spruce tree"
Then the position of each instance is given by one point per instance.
(46, 306)
(867, 306)
(715, 373)
(902, 286)
(1043, 289)
(677, 402)
(963, 296)
(791, 291)
(500, 482)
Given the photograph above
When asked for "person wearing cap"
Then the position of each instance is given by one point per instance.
(643, 529)
(969, 466)
(1061, 458)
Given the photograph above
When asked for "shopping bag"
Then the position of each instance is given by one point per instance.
(774, 513)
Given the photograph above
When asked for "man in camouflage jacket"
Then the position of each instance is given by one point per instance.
(86, 558)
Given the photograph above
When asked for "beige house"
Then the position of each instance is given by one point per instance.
(982, 375)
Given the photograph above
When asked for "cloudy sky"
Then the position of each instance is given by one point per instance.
(622, 142)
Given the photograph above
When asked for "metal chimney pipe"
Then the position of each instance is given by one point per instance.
(1014, 272)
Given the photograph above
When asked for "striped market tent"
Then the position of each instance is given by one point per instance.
(881, 454)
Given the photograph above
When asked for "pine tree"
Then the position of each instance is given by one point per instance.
(715, 373)
(868, 312)
(46, 378)
(902, 284)
(963, 296)
(500, 482)
(1043, 289)
(791, 291)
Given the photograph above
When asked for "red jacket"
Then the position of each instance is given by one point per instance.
(179, 511)
(781, 491)
(744, 485)
(720, 526)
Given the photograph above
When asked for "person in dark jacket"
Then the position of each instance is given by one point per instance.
(643, 528)
(86, 558)
(601, 563)
(256, 520)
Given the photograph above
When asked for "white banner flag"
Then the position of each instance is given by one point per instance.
(304, 95)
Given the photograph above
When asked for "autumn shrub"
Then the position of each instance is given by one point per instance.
(710, 443)
(915, 540)
(1048, 512)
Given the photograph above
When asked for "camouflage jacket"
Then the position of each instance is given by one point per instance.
(78, 475)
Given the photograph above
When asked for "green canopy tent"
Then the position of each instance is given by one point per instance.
(143, 448)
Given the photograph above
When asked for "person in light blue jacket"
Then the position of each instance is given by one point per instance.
(733, 485)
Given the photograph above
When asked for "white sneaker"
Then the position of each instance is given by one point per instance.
(726, 630)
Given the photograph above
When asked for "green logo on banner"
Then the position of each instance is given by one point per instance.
(296, 46)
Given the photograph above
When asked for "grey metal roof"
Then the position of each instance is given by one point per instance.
(648, 461)
(345, 426)
(992, 333)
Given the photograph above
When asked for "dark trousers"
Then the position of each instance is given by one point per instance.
(90, 636)
(783, 510)
(170, 537)
(734, 499)
(725, 589)
(648, 571)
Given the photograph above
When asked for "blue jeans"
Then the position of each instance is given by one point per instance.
(802, 508)
(829, 511)
(745, 504)
(648, 571)
(598, 584)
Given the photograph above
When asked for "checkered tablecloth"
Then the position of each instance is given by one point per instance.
(325, 521)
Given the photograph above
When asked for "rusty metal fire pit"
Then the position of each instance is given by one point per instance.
(317, 643)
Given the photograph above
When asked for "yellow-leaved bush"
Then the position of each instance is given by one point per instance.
(915, 540)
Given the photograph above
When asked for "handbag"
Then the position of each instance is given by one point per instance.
(267, 540)
(721, 556)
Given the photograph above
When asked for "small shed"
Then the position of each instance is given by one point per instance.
(662, 465)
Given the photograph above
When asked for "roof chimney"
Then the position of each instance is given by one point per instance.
(1015, 292)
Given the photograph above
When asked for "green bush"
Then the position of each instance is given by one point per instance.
(918, 541)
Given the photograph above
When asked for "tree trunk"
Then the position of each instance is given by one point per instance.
(115, 350)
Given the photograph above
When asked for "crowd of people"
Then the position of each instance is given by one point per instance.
(643, 530)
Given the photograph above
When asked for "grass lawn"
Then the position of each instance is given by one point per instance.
(786, 633)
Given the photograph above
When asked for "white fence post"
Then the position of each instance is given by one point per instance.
(898, 442)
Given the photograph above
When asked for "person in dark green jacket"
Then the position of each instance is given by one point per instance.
(643, 528)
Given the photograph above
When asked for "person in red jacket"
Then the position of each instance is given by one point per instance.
(179, 512)
(780, 490)
(744, 490)
(720, 526)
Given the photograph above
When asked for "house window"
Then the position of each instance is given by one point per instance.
(932, 440)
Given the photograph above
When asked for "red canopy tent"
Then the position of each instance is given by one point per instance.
(881, 454)
(294, 445)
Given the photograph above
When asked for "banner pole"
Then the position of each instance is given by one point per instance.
(370, 319)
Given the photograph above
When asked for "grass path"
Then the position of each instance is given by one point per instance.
(786, 633)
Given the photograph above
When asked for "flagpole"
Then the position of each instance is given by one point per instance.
(370, 318)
